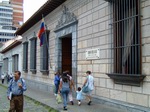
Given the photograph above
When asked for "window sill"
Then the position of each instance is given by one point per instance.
(127, 79)
(45, 72)
(25, 70)
(108, 0)
(33, 71)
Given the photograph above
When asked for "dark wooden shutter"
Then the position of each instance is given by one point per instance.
(25, 56)
(33, 42)
(45, 53)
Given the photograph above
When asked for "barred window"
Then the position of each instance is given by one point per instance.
(15, 62)
(25, 56)
(127, 37)
(44, 53)
(33, 42)
(126, 42)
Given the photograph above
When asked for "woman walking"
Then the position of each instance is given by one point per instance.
(72, 87)
(64, 88)
(89, 83)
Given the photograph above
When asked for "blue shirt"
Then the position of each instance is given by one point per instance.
(15, 89)
(56, 79)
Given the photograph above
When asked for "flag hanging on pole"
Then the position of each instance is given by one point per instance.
(41, 33)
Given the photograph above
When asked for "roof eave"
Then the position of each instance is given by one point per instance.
(47, 8)
(11, 46)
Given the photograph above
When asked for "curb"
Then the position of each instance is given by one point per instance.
(50, 109)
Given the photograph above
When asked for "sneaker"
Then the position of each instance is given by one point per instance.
(89, 102)
(65, 108)
(79, 103)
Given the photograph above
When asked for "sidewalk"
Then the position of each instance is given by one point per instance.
(49, 99)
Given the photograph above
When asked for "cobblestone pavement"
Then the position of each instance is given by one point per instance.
(29, 105)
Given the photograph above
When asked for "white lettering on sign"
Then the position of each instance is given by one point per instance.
(92, 53)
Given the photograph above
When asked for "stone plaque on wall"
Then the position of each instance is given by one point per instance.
(92, 54)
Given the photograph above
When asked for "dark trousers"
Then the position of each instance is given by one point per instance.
(56, 88)
(16, 104)
(3, 81)
(7, 80)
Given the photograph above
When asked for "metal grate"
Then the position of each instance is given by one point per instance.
(127, 36)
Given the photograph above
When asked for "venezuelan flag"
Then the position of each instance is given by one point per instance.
(41, 33)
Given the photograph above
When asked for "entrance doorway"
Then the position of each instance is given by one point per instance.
(67, 54)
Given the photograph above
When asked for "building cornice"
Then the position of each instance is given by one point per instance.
(47, 8)
(11, 46)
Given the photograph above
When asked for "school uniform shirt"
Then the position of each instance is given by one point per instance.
(15, 89)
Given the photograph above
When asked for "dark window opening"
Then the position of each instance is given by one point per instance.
(45, 53)
(33, 42)
(25, 56)
(15, 62)
(5, 69)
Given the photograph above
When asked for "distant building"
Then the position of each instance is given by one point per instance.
(12, 56)
(17, 6)
(7, 29)
(11, 18)
(1, 59)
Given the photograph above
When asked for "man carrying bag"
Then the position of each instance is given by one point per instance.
(15, 91)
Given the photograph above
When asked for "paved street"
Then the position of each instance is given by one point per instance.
(29, 105)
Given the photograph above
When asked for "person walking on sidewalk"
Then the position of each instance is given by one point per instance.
(11, 76)
(15, 91)
(8, 78)
(56, 82)
(64, 88)
(79, 96)
(72, 87)
(3, 78)
(89, 83)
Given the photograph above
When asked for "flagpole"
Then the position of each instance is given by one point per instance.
(47, 42)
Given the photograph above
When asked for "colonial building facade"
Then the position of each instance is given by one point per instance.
(108, 37)
(12, 56)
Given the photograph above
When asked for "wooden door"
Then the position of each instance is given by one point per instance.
(67, 54)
